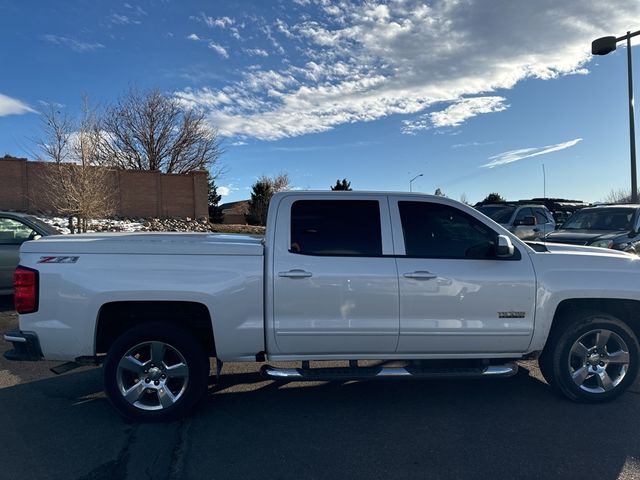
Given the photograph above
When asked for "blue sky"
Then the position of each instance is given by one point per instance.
(474, 95)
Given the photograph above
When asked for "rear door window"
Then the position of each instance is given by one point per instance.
(524, 212)
(541, 217)
(336, 228)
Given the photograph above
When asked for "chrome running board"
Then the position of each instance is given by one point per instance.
(366, 373)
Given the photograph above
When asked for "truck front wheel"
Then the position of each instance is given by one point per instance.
(155, 371)
(593, 359)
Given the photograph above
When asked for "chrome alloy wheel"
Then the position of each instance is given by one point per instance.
(598, 361)
(152, 376)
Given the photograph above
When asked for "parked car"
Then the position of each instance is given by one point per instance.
(339, 276)
(605, 226)
(16, 228)
(527, 222)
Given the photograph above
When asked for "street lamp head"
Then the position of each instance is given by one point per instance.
(603, 45)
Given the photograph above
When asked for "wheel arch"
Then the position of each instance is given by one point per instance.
(626, 310)
(114, 318)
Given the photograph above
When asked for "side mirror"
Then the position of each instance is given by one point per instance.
(504, 248)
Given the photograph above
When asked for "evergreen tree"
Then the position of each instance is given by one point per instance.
(342, 185)
(215, 212)
(493, 198)
(261, 193)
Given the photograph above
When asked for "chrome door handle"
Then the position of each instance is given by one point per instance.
(295, 274)
(420, 275)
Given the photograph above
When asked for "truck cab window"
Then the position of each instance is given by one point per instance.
(432, 230)
(13, 232)
(336, 227)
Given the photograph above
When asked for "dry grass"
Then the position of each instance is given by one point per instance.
(245, 229)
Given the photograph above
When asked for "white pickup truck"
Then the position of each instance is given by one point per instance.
(420, 286)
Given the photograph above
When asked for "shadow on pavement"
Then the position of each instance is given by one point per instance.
(249, 427)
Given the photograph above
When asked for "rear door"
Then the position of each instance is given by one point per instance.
(334, 290)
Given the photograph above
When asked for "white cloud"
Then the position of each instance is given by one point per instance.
(13, 106)
(516, 155)
(257, 52)
(456, 114)
(72, 43)
(367, 60)
(219, 49)
(474, 144)
(223, 191)
(213, 22)
(123, 20)
(138, 10)
(193, 37)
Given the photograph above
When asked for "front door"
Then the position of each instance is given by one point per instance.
(334, 291)
(456, 296)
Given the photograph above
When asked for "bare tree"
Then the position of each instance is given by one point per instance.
(279, 183)
(620, 195)
(151, 131)
(77, 186)
(57, 128)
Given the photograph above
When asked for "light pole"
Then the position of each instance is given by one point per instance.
(602, 46)
(411, 181)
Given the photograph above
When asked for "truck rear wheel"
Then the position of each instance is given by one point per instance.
(593, 359)
(155, 371)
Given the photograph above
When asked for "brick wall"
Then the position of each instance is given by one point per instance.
(139, 194)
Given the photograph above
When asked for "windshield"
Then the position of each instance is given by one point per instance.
(600, 219)
(498, 213)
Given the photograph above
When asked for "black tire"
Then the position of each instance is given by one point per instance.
(561, 358)
(186, 386)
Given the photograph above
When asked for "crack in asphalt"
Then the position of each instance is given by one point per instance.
(179, 453)
(115, 469)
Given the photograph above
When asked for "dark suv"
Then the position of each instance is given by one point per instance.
(605, 226)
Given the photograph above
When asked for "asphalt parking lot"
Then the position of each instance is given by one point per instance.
(62, 427)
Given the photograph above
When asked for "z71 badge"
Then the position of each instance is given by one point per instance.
(58, 259)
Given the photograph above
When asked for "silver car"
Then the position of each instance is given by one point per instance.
(528, 222)
(16, 228)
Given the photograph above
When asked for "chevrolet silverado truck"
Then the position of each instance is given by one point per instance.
(383, 284)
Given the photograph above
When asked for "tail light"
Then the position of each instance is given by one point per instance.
(25, 282)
